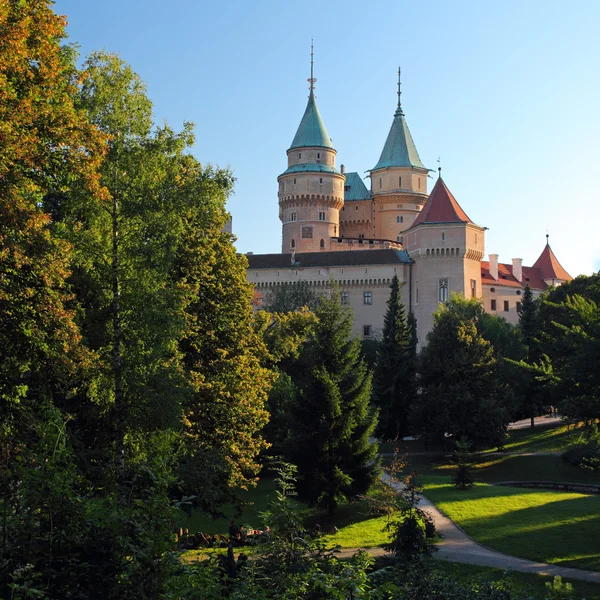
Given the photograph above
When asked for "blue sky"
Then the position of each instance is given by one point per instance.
(506, 92)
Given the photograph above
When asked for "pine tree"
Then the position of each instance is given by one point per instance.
(529, 326)
(332, 420)
(394, 369)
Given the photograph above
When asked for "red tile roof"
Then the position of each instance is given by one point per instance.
(441, 207)
(531, 275)
(549, 266)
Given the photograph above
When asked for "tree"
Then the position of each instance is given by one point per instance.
(291, 297)
(394, 375)
(332, 419)
(461, 394)
(223, 351)
(463, 478)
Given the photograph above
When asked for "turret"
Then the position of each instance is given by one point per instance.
(551, 270)
(311, 189)
(399, 179)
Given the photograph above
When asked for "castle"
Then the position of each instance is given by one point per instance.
(334, 227)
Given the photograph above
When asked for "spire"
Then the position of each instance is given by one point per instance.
(312, 79)
(549, 266)
(441, 207)
(399, 149)
(399, 109)
(311, 131)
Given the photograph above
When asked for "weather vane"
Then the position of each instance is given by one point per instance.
(439, 162)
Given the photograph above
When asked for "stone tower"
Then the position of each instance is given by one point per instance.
(311, 189)
(398, 180)
(447, 248)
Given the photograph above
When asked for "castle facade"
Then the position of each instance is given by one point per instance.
(334, 227)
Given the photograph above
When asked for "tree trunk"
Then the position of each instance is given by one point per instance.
(119, 408)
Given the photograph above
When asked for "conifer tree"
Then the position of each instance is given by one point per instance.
(394, 370)
(332, 420)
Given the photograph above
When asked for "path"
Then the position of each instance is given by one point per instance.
(457, 546)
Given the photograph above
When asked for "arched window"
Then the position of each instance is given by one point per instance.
(293, 244)
(400, 219)
(322, 244)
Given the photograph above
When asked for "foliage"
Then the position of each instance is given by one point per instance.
(407, 531)
(394, 373)
(332, 420)
(584, 455)
(463, 477)
(558, 590)
(291, 297)
(461, 394)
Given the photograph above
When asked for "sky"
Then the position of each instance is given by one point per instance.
(506, 93)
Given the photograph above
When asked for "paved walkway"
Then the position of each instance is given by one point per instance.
(457, 546)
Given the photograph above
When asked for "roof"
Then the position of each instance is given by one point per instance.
(399, 149)
(531, 276)
(313, 167)
(549, 266)
(311, 131)
(441, 207)
(355, 188)
(341, 258)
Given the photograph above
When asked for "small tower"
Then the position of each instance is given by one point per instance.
(447, 248)
(398, 180)
(311, 190)
(552, 271)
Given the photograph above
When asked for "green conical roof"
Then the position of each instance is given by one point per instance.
(399, 149)
(311, 131)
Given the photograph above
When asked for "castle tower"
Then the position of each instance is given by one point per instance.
(551, 270)
(447, 248)
(311, 190)
(398, 180)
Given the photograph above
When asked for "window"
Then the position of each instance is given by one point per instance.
(335, 230)
(400, 219)
(473, 288)
(399, 239)
(493, 304)
(299, 155)
(506, 306)
(321, 216)
(294, 181)
(346, 188)
(367, 331)
(417, 298)
(356, 207)
(307, 232)
(399, 182)
(345, 298)
(443, 235)
(443, 290)
(293, 216)
(419, 182)
(318, 155)
(361, 236)
(368, 297)
(320, 180)
(519, 307)
(293, 244)
(322, 243)
(380, 182)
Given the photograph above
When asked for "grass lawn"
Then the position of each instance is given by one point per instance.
(543, 438)
(526, 584)
(357, 526)
(553, 527)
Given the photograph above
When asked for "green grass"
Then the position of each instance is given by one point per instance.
(553, 527)
(524, 584)
(357, 526)
(543, 438)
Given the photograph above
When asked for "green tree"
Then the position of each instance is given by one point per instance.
(290, 297)
(332, 420)
(394, 374)
(461, 394)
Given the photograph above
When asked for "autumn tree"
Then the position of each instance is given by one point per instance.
(394, 375)
(332, 418)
